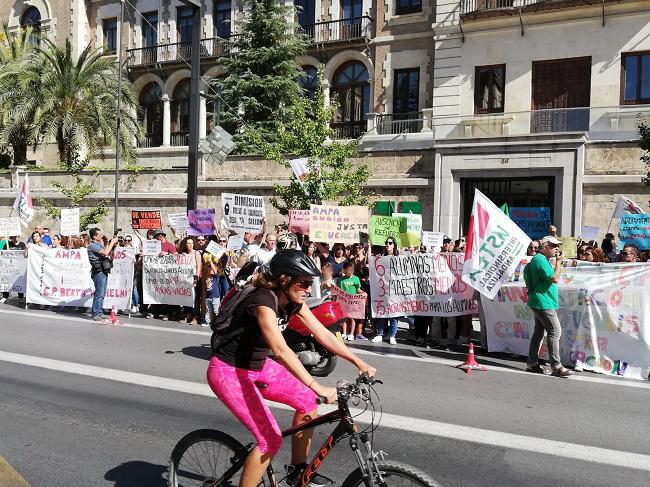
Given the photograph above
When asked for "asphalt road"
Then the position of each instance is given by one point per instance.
(83, 404)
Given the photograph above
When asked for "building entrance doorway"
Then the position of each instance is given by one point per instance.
(516, 192)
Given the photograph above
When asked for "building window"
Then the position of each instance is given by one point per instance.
(180, 126)
(185, 23)
(306, 10)
(32, 18)
(351, 92)
(151, 115)
(110, 36)
(214, 108)
(222, 9)
(149, 29)
(490, 88)
(408, 7)
(406, 90)
(309, 81)
(635, 83)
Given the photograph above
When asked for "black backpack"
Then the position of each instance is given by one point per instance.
(222, 329)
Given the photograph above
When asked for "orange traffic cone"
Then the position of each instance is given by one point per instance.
(113, 317)
(471, 363)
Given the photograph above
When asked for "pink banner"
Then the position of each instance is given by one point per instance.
(353, 305)
(299, 221)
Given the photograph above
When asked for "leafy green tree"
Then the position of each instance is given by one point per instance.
(261, 87)
(644, 143)
(332, 177)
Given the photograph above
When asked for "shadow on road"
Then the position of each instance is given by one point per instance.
(203, 352)
(137, 474)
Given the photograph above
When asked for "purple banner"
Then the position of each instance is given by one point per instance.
(201, 221)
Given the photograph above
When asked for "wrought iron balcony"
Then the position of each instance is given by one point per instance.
(213, 47)
(470, 6)
(340, 30)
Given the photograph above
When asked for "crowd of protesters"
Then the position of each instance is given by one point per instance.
(345, 266)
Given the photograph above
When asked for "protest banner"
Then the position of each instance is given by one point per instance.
(151, 247)
(69, 221)
(10, 226)
(61, 277)
(337, 224)
(145, 219)
(533, 221)
(353, 305)
(432, 240)
(215, 249)
(411, 238)
(13, 271)
(23, 203)
(382, 227)
(569, 247)
(604, 313)
(588, 233)
(419, 284)
(495, 246)
(635, 230)
(243, 212)
(200, 221)
(300, 168)
(235, 242)
(168, 279)
(299, 221)
(178, 221)
(626, 206)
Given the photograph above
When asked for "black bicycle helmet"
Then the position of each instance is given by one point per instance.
(292, 263)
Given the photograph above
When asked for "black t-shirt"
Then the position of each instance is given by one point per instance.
(249, 349)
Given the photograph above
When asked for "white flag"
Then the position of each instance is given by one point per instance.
(626, 205)
(23, 204)
(495, 246)
(300, 168)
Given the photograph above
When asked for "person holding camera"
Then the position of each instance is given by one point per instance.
(541, 281)
(101, 264)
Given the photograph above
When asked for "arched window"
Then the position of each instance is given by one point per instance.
(152, 115)
(181, 113)
(309, 81)
(351, 92)
(32, 18)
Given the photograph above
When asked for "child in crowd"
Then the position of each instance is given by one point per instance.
(327, 279)
(351, 284)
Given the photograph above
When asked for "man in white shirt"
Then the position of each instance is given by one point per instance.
(268, 249)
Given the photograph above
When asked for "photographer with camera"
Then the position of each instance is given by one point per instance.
(101, 264)
(541, 281)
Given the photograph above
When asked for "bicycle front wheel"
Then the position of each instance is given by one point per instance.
(392, 474)
(201, 457)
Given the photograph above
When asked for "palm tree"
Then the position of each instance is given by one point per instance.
(16, 86)
(77, 104)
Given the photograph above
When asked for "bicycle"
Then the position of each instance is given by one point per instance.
(211, 458)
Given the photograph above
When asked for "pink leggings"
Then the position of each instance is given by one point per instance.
(237, 390)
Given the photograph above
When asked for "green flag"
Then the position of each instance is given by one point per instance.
(504, 208)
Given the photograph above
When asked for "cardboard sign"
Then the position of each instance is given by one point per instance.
(178, 221)
(151, 247)
(432, 240)
(411, 238)
(201, 222)
(353, 305)
(69, 221)
(145, 219)
(569, 247)
(168, 279)
(589, 233)
(635, 230)
(10, 226)
(382, 227)
(235, 242)
(337, 224)
(299, 221)
(243, 213)
(533, 221)
(215, 249)
(13, 271)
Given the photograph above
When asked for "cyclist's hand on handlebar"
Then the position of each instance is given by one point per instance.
(366, 369)
(327, 395)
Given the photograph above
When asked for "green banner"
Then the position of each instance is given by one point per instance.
(382, 227)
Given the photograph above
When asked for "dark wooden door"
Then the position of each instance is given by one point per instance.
(559, 88)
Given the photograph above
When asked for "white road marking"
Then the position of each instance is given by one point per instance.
(420, 357)
(481, 436)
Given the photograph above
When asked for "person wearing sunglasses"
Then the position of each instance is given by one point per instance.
(630, 253)
(241, 362)
(533, 248)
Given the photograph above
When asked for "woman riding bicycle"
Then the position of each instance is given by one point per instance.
(241, 362)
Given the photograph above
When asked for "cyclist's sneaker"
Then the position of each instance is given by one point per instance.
(293, 475)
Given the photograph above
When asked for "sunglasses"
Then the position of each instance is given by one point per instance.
(627, 253)
(200, 240)
(222, 241)
(389, 243)
(128, 240)
(304, 284)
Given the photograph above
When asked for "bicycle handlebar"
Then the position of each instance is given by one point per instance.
(345, 388)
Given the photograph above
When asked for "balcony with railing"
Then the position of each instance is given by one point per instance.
(496, 7)
(213, 47)
(149, 140)
(609, 123)
(180, 139)
(396, 131)
(355, 28)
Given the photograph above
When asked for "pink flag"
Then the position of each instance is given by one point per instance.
(23, 204)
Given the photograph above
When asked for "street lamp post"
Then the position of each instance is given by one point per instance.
(119, 118)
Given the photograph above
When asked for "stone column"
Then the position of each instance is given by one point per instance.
(167, 121)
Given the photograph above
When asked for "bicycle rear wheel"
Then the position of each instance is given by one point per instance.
(393, 474)
(201, 457)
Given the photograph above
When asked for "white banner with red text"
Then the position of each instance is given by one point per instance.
(168, 279)
(420, 284)
(61, 277)
(605, 317)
